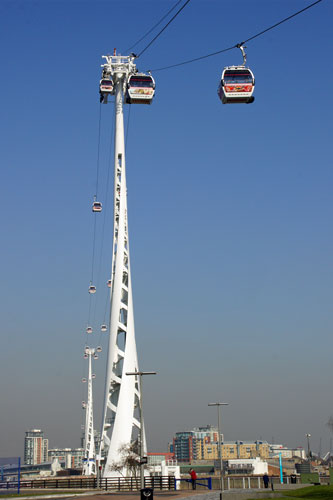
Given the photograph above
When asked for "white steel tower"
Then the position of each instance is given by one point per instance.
(121, 417)
(89, 464)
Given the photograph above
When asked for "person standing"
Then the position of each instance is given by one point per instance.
(266, 480)
(194, 476)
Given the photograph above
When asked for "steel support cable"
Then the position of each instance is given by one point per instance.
(94, 225)
(237, 44)
(98, 148)
(127, 128)
(165, 27)
(283, 21)
(105, 211)
(155, 26)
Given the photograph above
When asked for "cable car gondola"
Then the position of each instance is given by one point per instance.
(104, 328)
(97, 206)
(140, 89)
(99, 349)
(106, 87)
(92, 289)
(237, 83)
(109, 283)
(89, 329)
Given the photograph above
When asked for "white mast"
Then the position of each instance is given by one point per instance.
(89, 465)
(121, 416)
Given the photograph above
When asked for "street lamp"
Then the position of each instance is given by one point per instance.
(220, 444)
(140, 374)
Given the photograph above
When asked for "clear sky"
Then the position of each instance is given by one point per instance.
(230, 218)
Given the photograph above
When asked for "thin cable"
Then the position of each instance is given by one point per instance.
(128, 122)
(158, 34)
(196, 59)
(155, 26)
(242, 43)
(280, 22)
(105, 212)
(98, 148)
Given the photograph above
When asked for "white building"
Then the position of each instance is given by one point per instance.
(254, 466)
(276, 449)
(159, 466)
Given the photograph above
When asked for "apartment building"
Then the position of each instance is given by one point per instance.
(35, 447)
(202, 444)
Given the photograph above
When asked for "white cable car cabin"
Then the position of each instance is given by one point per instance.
(140, 89)
(109, 283)
(104, 328)
(92, 289)
(97, 206)
(99, 349)
(106, 86)
(89, 329)
(237, 83)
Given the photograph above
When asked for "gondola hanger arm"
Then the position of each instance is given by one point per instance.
(241, 46)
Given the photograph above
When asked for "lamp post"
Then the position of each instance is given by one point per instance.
(220, 444)
(140, 375)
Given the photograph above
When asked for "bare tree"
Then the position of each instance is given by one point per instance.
(129, 463)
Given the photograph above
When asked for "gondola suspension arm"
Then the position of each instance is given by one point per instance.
(241, 46)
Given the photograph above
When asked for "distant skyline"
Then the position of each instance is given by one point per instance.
(230, 219)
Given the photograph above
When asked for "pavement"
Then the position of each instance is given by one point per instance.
(233, 494)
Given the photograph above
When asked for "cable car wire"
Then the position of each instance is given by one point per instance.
(241, 43)
(98, 148)
(160, 32)
(155, 26)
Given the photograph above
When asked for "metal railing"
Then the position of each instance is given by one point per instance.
(206, 482)
(107, 484)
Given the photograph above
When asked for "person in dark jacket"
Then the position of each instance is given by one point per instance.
(194, 476)
(266, 480)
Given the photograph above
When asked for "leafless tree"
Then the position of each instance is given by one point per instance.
(129, 462)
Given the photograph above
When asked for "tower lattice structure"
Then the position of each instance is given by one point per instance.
(122, 399)
(89, 464)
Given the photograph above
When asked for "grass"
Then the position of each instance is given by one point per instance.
(308, 493)
(30, 493)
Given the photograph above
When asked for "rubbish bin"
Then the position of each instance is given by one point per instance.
(293, 478)
(147, 494)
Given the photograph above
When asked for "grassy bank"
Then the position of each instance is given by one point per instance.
(308, 493)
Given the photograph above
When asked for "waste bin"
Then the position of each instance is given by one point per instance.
(147, 494)
(293, 478)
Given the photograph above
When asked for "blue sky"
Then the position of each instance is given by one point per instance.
(230, 211)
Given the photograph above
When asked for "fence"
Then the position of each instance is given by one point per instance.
(133, 483)
(10, 473)
(107, 484)
(199, 482)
